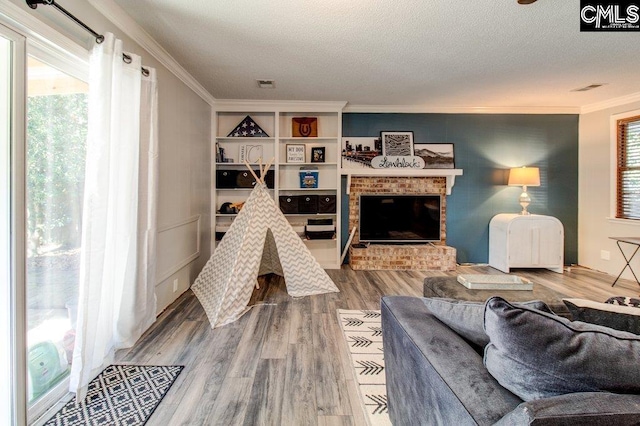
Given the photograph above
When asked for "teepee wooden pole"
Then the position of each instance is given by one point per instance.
(252, 172)
(266, 168)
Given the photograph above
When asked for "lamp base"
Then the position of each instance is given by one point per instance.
(525, 200)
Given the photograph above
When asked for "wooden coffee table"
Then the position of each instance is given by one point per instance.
(449, 287)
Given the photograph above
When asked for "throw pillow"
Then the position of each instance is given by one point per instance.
(537, 355)
(623, 318)
(467, 318)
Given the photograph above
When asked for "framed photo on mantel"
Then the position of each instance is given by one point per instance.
(436, 155)
(397, 144)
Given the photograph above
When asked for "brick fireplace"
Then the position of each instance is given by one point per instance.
(433, 256)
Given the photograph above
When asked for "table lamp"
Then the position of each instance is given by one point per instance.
(524, 176)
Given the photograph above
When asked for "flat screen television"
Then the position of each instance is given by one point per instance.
(391, 218)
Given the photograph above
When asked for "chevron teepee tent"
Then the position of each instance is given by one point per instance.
(259, 241)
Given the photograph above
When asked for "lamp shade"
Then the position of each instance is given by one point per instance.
(524, 176)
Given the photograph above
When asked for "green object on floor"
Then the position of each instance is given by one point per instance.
(45, 368)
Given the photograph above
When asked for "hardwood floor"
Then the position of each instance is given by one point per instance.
(284, 362)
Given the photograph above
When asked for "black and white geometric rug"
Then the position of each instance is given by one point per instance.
(363, 333)
(120, 395)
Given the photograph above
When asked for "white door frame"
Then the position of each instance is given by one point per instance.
(17, 212)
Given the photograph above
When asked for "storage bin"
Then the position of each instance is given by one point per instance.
(317, 222)
(226, 178)
(245, 179)
(308, 204)
(309, 178)
(289, 204)
(320, 232)
(326, 204)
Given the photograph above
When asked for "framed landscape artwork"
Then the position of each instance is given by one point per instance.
(397, 143)
(436, 155)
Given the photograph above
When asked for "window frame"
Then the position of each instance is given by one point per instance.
(616, 168)
(15, 209)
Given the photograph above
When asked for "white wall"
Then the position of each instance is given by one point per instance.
(595, 177)
(184, 139)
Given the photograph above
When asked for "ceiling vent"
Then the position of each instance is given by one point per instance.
(589, 87)
(266, 84)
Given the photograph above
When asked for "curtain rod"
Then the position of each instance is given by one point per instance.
(33, 4)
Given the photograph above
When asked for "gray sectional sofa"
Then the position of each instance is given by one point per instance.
(436, 377)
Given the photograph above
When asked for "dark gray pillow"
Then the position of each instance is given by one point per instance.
(536, 355)
(623, 318)
(467, 318)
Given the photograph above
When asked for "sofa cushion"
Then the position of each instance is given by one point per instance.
(538, 355)
(467, 318)
(620, 317)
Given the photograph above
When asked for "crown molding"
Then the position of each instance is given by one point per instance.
(622, 100)
(122, 20)
(460, 110)
(268, 105)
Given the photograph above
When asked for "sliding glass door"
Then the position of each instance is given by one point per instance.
(56, 140)
(12, 261)
(43, 125)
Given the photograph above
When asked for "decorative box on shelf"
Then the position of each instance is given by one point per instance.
(309, 177)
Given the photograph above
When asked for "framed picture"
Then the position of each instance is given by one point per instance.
(304, 127)
(435, 155)
(250, 153)
(295, 153)
(397, 143)
(317, 154)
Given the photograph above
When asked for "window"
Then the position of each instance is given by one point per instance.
(628, 168)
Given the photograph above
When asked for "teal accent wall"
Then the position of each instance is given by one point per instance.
(485, 147)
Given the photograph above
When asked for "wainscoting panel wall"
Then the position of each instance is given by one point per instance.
(485, 147)
(178, 245)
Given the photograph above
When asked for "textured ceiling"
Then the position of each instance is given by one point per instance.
(429, 53)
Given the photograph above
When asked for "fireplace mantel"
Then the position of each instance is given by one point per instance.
(450, 174)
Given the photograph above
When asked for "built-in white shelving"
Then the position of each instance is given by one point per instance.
(275, 119)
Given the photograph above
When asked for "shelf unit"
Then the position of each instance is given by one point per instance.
(275, 118)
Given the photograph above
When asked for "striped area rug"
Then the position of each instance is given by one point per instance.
(363, 333)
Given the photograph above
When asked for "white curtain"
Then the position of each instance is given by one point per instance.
(117, 272)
